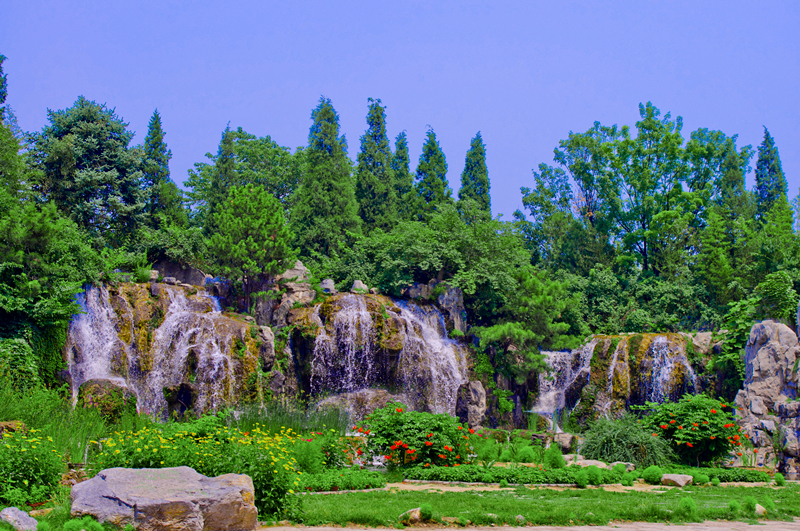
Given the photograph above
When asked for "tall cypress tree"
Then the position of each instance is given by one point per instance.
(432, 186)
(475, 177)
(770, 181)
(3, 88)
(165, 198)
(375, 190)
(222, 178)
(326, 208)
(403, 179)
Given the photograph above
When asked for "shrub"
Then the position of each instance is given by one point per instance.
(308, 455)
(503, 483)
(626, 439)
(221, 450)
(594, 474)
(687, 506)
(414, 438)
(652, 474)
(715, 482)
(699, 479)
(734, 506)
(553, 457)
(628, 479)
(348, 479)
(697, 427)
(750, 504)
(30, 467)
(780, 480)
(620, 469)
(582, 479)
(18, 364)
(426, 512)
(506, 456)
(768, 504)
(526, 455)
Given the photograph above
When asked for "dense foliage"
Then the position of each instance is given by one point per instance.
(625, 440)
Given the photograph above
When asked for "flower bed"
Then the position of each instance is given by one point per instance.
(336, 480)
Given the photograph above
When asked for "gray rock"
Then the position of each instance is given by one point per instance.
(264, 308)
(590, 462)
(375, 291)
(359, 287)
(418, 291)
(757, 406)
(629, 467)
(452, 303)
(471, 403)
(328, 286)
(170, 280)
(266, 350)
(276, 382)
(760, 510)
(676, 480)
(520, 519)
(181, 273)
(564, 441)
(154, 275)
(298, 291)
(789, 409)
(768, 426)
(18, 519)
(791, 443)
(168, 499)
(298, 273)
(770, 356)
(411, 516)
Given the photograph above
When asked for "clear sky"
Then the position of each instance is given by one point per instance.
(523, 73)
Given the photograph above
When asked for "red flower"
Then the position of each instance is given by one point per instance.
(705, 422)
(460, 428)
(405, 445)
(713, 411)
(672, 421)
(664, 426)
(355, 427)
(471, 430)
(739, 453)
(713, 437)
(367, 432)
(695, 424)
(430, 435)
(428, 443)
(680, 427)
(361, 430)
(399, 410)
(655, 435)
(689, 445)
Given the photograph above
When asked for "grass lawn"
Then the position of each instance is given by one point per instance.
(552, 507)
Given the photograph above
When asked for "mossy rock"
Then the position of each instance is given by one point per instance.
(108, 397)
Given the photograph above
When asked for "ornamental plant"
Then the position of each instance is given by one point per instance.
(700, 429)
(267, 458)
(30, 467)
(415, 438)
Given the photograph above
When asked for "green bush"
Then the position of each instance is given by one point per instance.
(734, 506)
(30, 467)
(750, 504)
(652, 474)
(699, 479)
(18, 365)
(87, 523)
(768, 504)
(526, 455)
(594, 474)
(346, 479)
(687, 506)
(309, 457)
(627, 440)
(715, 482)
(426, 512)
(553, 457)
(779, 479)
(726, 475)
(582, 479)
(698, 427)
(629, 478)
(620, 469)
(415, 438)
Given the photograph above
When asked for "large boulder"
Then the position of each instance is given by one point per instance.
(167, 499)
(676, 480)
(181, 273)
(770, 358)
(266, 349)
(298, 291)
(18, 519)
(471, 404)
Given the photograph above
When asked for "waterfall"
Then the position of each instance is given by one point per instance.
(429, 368)
(192, 343)
(667, 368)
(569, 372)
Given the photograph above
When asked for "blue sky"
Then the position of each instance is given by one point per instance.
(523, 73)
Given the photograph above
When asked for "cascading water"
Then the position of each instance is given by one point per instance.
(569, 372)
(191, 344)
(668, 368)
(429, 367)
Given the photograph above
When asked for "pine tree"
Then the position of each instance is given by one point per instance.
(375, 190)
(713, 261)
(475, 177)
(222, 178)
(432, 186)
(3, 88)
(326, 208)
(770, 181)
(164, 204)
(403, 179)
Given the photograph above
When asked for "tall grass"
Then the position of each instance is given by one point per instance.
(51, 412)
(276, 415)
(625, 440)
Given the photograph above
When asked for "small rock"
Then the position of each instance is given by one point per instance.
(170, 280)
(492, 516)
(375, 291)
(676, 480)
(328, 286)
(411, 516)
(153, 275)
(590, 462)
(18, 519)
(520, 519)
(40, 513)
(358, 286)
(629, 467)
(760, 510)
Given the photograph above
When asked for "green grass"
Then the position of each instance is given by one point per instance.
(549, 507)
(276, 415)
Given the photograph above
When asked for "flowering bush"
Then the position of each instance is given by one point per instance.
(700, 429)
(266, 458)
(413, 438)
(30, 467)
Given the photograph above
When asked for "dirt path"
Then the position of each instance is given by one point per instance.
(637, 526)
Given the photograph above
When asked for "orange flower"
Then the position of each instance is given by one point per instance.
(713, 437)
(471, 430)
(655, 435)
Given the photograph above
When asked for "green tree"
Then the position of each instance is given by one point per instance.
(531, 322)
(475, 177)
(164, 204)
(777, 243)
(403, 180)
(713, 261)
(375, 190)
(252, 241)
(89, 172)
(432, 186)
(770, 180)
(326, 208)
(3, 88)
